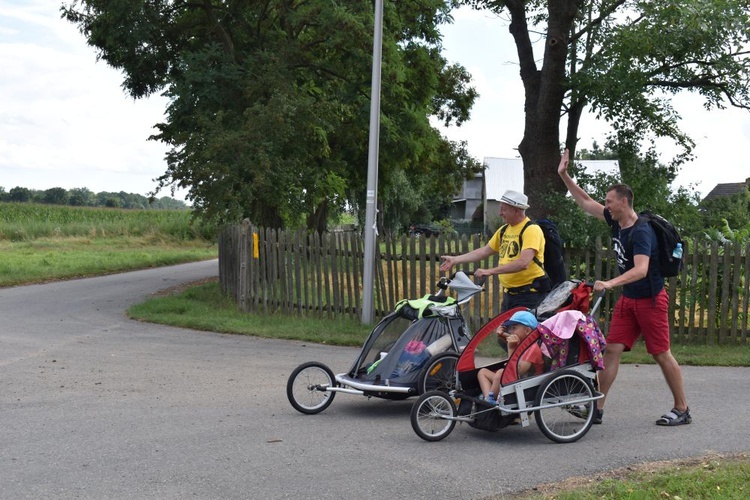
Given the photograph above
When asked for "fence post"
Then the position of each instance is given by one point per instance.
(244, 268)
(713, 281)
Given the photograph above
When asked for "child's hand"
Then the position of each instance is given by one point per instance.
(512, 340)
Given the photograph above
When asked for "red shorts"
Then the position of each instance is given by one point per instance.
(633, 317)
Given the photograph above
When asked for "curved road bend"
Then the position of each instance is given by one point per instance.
(95, 405)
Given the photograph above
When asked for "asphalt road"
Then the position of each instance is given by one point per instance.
(95, 405)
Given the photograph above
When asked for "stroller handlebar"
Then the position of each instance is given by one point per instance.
(464, 287)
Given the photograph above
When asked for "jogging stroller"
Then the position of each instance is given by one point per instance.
(561, 396)
(412, 350)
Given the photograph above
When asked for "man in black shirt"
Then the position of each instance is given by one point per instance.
(642, 309)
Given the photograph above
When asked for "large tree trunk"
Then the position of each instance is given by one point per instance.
(318, 220)
(270, 218)
(544, 93)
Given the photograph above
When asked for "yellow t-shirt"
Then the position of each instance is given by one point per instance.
(508, 250)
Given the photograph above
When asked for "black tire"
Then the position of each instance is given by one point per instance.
(567, 423)
(432, 414)
(439, 374)
(307, 388)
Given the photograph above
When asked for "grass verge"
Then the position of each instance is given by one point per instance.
(50, 259)
(203, 307)
(718, 476)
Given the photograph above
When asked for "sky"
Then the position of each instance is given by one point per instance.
(65, 120)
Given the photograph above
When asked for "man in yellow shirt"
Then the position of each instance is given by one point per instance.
(520, 245)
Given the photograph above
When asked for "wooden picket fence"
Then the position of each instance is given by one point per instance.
(286, 272)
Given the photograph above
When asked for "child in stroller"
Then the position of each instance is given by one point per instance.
(513, 331)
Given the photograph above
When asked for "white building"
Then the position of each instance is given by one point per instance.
(501, 174)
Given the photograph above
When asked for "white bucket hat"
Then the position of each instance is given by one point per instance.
(515, 199)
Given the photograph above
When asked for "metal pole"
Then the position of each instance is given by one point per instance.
(371, 227)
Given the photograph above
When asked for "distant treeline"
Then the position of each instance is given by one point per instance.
(82, 197)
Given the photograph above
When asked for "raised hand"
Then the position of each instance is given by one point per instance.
(564, 160)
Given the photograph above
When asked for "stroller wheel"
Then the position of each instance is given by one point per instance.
(565, 423)
(432, 416)
(439, 374)
(307, 388)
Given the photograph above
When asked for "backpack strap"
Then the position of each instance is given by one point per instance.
(642, 220)
(520, 241)
(638, 222)
(520, 245)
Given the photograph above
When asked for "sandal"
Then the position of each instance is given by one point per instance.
(675, 417)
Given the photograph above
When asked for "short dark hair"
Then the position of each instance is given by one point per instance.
(623, 191)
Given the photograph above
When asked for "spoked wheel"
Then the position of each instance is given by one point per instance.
(431, 416)
(439, 374)
(568, 422)
(307, 388)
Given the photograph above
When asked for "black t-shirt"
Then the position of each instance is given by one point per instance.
(643, 243)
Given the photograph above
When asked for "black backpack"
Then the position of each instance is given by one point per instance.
(667, 238)
(554, 260)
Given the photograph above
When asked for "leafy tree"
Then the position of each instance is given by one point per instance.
(55, 196)
(81, 197)
(725, 212)
(167, 203)
(19, 194)
(622, 60)
(725, 233)
(269, 101)
(112, 202)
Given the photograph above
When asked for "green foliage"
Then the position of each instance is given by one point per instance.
(723, 213)
(653, 50)
(715, 477)
(725, 234)
(19, 194)
(83, 197)
(446, 227)
(55, 196)
(622, 61)
(60, 257)
(50, 242)
(204, 307)
(402, 206)
(269, 102)
(29, 221)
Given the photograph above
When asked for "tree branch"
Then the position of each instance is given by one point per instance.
(597, 21)
(226, 40)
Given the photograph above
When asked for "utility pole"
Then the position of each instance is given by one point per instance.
(371, 225)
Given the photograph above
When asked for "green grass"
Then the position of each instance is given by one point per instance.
(204, 307)
(41, 243)
(31, 221)
(49, 259)
(714, 477)
(694, 355)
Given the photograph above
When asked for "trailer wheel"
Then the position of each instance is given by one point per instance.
(439, 374)
(432, 414)
(568, 422)
(308, 387)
